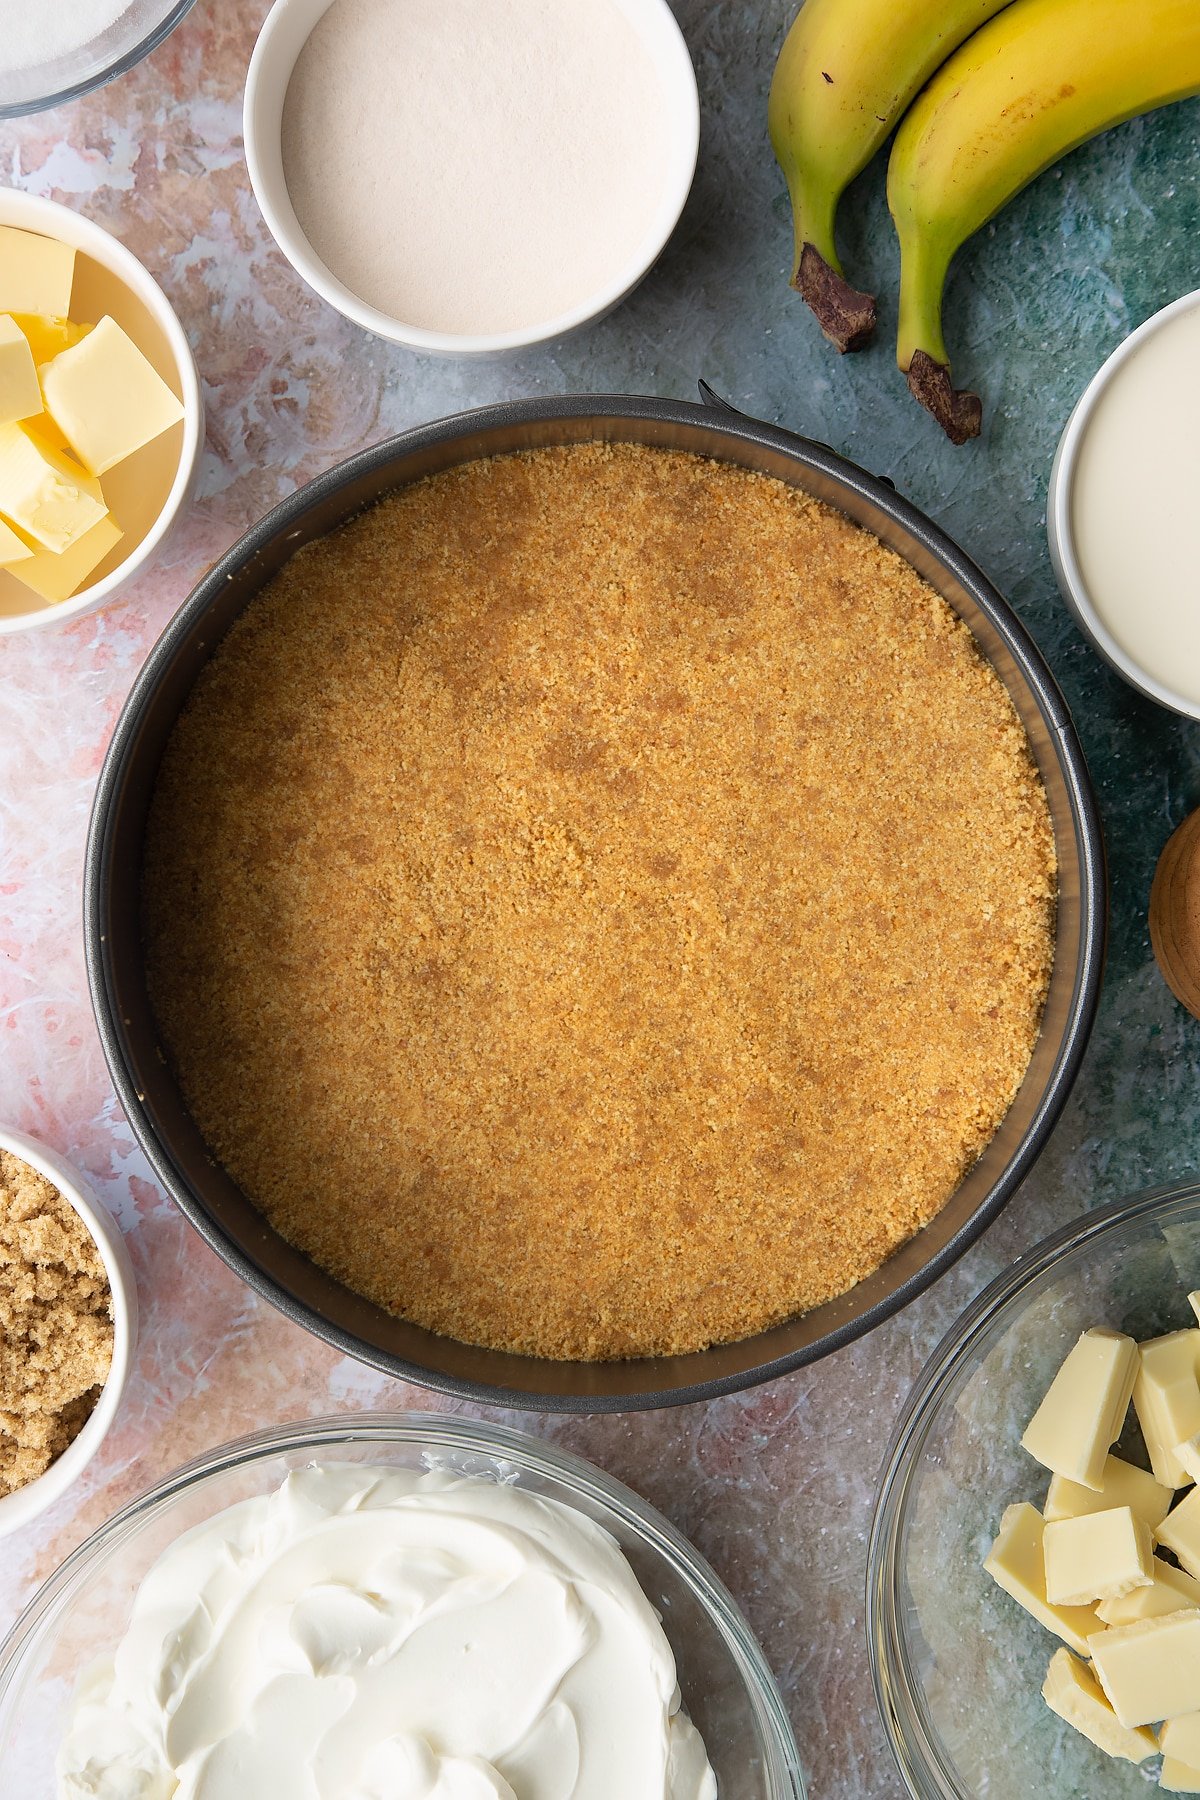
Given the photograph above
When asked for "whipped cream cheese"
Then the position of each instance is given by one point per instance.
(384, 1634)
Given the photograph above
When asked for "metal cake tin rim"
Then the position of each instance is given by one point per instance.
(735, 426)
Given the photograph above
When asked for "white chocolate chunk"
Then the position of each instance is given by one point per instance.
(20, 395)
(1171, 1590)
(106, 398)
(1016, 1562)
(1100, 1556)
(1166, 1396)
(1194, 1302)
(36, 273)
(1151, 1669)
(1180, 1738)
(1085, 1407)
(57, 576)
(1072, 1691)
(1180, 1532)
(1187, 1455)
(1177, 1777)
(12, 548)
(42, 492)
(1122, 1484)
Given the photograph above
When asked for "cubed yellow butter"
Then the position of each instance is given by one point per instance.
(1178, 1777)
(47, 338)
(1180, 1532)
(1099, 1556)
(1121, 1484)
(1171, 1590)
(1166, 1397)
(106, 398)
(1151, 1669)
(1180, 1738)
(1072, 1691)
(1084, 1408)
(13, 549)
(36, 273)
(44, 493)
(1017, 1563)
(20, 395)
(57, 577)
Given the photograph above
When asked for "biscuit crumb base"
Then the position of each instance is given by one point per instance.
(599, 902)
(56, 1325)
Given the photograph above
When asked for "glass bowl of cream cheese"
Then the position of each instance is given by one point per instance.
(958, 1663)
(403, 1607)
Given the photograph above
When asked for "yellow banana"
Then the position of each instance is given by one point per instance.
(1041, 78)
(847, 71)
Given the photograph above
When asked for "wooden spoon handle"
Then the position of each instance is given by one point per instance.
(1175, 913)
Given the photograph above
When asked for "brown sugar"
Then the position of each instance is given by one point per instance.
(599, 902)
(56, 1324)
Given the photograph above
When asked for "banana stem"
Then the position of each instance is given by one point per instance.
(814, 210)
(923, 268)
(921, 348)
(845, 315)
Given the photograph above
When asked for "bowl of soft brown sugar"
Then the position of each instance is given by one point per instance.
(594, 904)
(68, 1326)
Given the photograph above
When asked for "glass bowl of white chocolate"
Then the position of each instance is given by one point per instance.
(1033, 1598)
(390, 1605)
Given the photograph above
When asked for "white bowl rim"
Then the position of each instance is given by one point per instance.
(285, 229)
(1060, 531)
(54, 220)
(27, 1503)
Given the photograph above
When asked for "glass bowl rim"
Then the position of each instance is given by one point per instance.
(75, 90)
(453, 1432)
(898, 1696)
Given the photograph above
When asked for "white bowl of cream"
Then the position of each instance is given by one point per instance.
(470, 177)
(1122, 514)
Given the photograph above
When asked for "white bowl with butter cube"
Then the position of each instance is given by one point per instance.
(1034, 1566)
(101, 415)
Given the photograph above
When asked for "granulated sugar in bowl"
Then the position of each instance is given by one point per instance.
(52, 51)
(471, 175)
(30, 35)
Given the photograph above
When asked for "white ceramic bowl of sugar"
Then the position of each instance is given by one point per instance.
(25, 1504)
(1121, 509)
(151, 489)
(670, 147)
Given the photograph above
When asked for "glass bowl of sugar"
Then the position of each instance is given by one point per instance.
(473, 176)
(54, 50)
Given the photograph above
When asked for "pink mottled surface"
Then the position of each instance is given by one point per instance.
(775, 1486)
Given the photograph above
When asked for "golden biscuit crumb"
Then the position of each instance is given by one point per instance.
(599, 902)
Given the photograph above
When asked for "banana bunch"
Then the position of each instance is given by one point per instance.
(988, 94)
